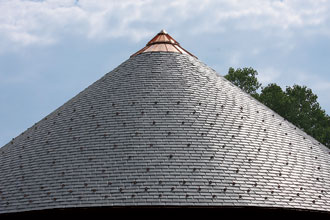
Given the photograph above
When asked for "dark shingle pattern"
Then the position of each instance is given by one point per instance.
(163, 129)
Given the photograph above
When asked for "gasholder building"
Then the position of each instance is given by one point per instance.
(164, 130)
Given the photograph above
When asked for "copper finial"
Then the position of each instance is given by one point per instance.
(163, 42)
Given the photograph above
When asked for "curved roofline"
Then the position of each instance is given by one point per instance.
(233, 211)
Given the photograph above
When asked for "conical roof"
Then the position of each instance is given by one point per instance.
(163, 129)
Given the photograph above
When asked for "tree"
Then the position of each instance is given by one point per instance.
(245, 79)
(297, 104)
(275, 98)
(304, 111)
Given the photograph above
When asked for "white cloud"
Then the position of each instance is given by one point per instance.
(42, 22)
(268, 75)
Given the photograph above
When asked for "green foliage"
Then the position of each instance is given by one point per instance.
(297, 104)
(305, 112)
(275, 98)
(245, 79)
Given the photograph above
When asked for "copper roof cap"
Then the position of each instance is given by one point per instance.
(163, 42)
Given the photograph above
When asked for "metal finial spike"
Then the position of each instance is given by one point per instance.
(163, 31)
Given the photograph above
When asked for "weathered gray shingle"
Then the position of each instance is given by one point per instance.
(163, 129)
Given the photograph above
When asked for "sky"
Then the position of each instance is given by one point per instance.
(51, 50)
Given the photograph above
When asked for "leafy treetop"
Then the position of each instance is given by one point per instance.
(298, 104)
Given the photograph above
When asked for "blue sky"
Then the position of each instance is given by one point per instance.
(51, 50)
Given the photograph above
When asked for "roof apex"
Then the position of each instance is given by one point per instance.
(162, 31)
(163, 42)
